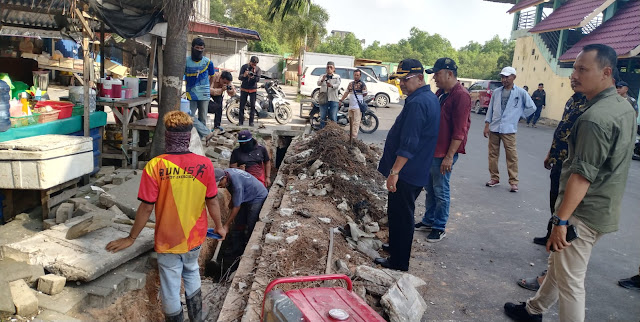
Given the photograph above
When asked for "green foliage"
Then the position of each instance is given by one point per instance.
(348, 45)
(218, 11)
(278, 36)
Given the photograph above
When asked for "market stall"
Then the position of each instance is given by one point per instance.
(32, 115)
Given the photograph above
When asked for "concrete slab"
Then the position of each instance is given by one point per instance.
(70, 301)
(125, 196)
(81, 259)
(6, 303)
(11, 270)
(48, 315)
(98, 220)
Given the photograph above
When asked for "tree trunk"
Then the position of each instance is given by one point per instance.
(175, 49)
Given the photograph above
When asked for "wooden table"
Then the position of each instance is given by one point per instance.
(75, 72)
(125, 116)
(148, 124)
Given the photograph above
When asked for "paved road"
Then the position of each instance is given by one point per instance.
(472, 272)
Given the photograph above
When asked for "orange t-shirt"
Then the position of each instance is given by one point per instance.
(178, 185)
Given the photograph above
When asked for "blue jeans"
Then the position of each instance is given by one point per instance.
(438, 196)
(332, 109)
(202, 107)
(202, 129)
(171, 268)
(535, 116)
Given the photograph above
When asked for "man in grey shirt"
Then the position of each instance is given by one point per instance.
(329, 83)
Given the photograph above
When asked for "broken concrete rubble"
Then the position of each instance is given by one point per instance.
(64, 212)
(51, 284)
(24, 299)
(403, 302)
(97, 220)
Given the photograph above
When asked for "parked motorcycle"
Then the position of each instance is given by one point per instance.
(368, 124)
(269, 105)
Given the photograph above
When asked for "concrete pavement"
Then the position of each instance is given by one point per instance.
(473, 271)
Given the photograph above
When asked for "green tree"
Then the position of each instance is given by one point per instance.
(349, 45)
(218, 11)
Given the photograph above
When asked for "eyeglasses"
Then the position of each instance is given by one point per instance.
(404, 79)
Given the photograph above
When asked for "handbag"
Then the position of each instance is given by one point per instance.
(323, 98)
(361, 104)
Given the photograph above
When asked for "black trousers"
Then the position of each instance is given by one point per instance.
(400, 210)
(243, 103)
(554, 190)
(215, 107)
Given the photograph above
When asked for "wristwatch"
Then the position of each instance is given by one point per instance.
(559, 222)
(393, 173)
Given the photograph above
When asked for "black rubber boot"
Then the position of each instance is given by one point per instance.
(194, 306)
(178, 317)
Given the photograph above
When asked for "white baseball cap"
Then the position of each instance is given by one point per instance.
(508, 71)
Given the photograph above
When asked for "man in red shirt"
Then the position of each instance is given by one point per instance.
(252, 157)
(455, 120)
(182, 187)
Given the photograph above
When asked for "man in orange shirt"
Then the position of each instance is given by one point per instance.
(181, 186)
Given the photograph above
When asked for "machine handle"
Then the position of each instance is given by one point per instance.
(302, 279)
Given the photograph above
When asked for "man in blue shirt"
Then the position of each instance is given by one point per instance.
(508, 103)
(247, 196)
(406, 160)
(198, 74)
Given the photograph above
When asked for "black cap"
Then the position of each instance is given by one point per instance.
(406, 67)
(622, 83)
(443, 63)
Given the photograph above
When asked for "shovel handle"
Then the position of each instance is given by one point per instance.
(217, 251)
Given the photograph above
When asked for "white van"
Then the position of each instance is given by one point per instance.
(384, 93)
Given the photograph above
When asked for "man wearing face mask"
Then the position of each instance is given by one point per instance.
(252, 158)
(198, 74)
(250, 76)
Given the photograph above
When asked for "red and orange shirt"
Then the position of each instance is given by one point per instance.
(178, 185)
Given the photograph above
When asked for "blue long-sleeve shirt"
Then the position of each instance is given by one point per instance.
(413, 135)
(506, 122)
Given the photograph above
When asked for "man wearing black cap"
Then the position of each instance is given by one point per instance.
(406, 160)
(623, 90)
(247, 196)
(252, 157)
(250, 76)
(455, 120)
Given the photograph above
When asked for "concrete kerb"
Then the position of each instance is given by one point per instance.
(234, 306)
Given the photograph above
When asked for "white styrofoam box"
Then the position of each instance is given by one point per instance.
(45, 161)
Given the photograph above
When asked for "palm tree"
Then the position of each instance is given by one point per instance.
(284, 7)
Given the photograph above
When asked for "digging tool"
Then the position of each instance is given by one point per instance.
(213, 264)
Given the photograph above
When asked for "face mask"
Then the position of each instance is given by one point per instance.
(196, 55)
(247, 147)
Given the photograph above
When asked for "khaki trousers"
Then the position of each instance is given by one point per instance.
(564, 282)
(511, 153)
(354, 118)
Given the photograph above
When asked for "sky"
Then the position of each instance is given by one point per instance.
(388, 21)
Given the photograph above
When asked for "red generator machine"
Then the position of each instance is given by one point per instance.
(315, 304)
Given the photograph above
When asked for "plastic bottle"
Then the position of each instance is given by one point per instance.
(25, 103)
(5, 122)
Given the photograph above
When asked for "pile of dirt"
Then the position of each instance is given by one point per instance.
(326, 183)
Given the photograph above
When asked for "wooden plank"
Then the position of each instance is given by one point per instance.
(86, 75)
(128, 103)
(85, 25)
(60, 198)
(144, 124)
(152, 64)
(160, 67)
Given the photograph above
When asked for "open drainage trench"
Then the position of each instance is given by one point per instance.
(324, 183)
(217, 275)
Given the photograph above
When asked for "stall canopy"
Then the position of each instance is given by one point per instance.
(127, 18)
(621, 32)
(573, 14)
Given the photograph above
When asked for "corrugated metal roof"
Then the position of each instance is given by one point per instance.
(621, 32)
(223, 30)
(525, 4)
(573, 14)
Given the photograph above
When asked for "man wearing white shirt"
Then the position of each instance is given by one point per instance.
(508, 103)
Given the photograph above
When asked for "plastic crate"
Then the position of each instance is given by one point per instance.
(77, 110)
(48, 116)
(20, 121)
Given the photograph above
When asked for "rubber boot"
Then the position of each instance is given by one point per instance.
(194, 306)
(178, 317)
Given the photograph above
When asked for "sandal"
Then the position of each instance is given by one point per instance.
(208, 138)
(530, 283)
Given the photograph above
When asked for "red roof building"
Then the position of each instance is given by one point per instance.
(525, 4)
(621, 32)
(573, 14)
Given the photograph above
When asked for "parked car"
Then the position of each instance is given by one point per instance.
(481, 95)
(383, 93)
